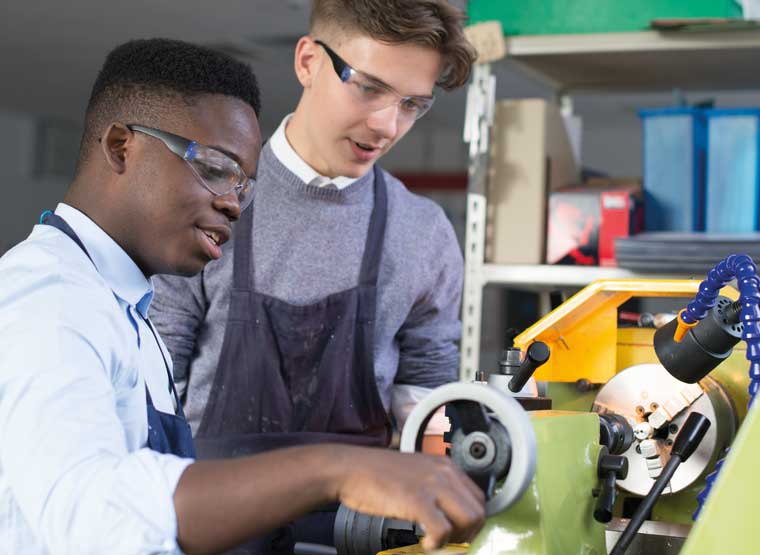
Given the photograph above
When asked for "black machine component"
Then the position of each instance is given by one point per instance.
(704, 346)
(511, 359)
(686, 442)
(536, 355)
(358, 534)
(520, 370)
(615, 433)
(534, 403)
(616, 436)
(610, 468)
(480, 445)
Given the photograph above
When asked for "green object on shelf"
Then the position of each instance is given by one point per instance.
(551, 17)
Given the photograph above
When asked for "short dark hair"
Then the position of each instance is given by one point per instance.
(143, 80)
(434, 24)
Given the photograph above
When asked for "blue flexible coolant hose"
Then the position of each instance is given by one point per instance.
(743, 269)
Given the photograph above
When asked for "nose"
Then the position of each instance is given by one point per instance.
(228, 204)
(384, 122)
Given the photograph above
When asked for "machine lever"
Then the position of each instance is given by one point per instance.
(610, 468)
(688, 439)
(536, 355)
(486, 482)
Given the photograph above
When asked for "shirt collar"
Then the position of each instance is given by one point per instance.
(293, 161)
(115, 266)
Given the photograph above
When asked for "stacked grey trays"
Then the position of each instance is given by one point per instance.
(682, 253)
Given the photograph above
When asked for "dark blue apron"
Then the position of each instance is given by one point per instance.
(294, 375)
(167, 433)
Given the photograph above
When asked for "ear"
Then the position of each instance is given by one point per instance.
(306, 60)
(115, 143)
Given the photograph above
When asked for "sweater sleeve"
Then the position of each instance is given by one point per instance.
(178, 311)
(428, 351)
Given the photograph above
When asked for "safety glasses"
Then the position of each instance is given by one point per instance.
(215, 171)
(375, 95)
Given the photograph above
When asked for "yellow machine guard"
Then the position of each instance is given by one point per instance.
(583, 333)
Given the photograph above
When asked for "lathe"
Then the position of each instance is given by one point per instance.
(641, 442)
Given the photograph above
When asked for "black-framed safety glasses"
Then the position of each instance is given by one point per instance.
(215, 171)
(375, 95)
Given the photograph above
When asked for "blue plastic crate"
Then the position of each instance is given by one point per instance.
(733, 170)
(674, 169)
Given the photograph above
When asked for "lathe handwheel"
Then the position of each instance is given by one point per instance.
(501, 407)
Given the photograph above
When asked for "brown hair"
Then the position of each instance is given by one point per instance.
(431, 23)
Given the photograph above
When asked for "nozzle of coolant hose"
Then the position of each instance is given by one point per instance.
(682, 326)
(690, 356)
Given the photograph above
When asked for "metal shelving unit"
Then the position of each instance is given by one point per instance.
(540, 278)
(643, 61)
(601, 62)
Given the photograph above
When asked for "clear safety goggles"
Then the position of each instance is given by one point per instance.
(215, 171)
(375, 95)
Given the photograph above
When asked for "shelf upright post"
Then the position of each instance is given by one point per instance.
(479, 117)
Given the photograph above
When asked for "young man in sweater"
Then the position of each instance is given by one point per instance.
(337, 301)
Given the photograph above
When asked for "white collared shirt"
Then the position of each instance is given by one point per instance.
(75, 355)
(293, 161)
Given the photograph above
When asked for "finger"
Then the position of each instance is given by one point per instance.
(471, 486)
(464, 503)
(459, 501)
(463, 485)
(437, 527)
(465, 513)
(457, 476)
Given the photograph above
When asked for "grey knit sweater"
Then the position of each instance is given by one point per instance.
(308, 243)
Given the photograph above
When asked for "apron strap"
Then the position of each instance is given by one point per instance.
(54, 220)
(179, 411)
(373, 248)
(242, 271)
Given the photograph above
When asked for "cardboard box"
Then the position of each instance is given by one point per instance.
(530, 155)
(584, 222)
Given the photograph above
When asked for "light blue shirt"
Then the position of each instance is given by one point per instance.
(75, 357)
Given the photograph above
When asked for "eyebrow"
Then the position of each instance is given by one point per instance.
(382, 83)
(335, 58)
(234, 157)
(376, 80)
(228, 153)
(379, 81)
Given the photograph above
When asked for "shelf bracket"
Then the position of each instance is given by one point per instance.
(479, 115)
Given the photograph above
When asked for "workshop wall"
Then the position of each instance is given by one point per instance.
(37, 154)
(29, 173)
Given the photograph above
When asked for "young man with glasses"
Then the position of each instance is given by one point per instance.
(338, 304)
(96, 455)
